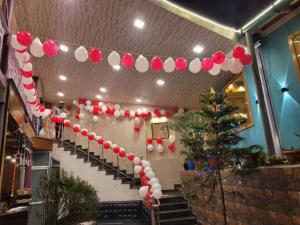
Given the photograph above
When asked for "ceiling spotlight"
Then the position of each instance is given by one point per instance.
(62, 77)
(60, 94)
(8, 157)
(117, 67)
(99, 96)
(198, 49)
(139, 23)
(103, 90)
(138, 100)
(160, 82)
(64, 48)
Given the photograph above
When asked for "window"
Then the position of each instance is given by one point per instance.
(294, 42)
(237, 93)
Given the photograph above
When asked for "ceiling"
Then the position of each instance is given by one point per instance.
(108, 24)
(233, 13)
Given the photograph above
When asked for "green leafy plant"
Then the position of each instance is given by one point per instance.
(68, 200)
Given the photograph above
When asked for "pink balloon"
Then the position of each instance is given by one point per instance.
(156, 63)
(50, 47)
(246, 59)
(218, 57)
(29, 86)
(127, 60)
(26, 73)
(207, 64)
(95, 55)
(180, 63)
(24, 38)
(238, 52)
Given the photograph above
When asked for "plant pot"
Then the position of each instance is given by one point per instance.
(213, 161)
(199, 164)
(292, 156)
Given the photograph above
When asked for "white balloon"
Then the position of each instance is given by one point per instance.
(137, 121)
(29, 92)
(81, 115)
(97, 138)
(75, 102)
(160, 148)
(104, 108)
(169, 65)
(145, 110)
(139, 111)
(154, 181)
(26, 66)
(76, 125)
(63, 115)
(143, 191)
(136, 160)
(27, 80)
(87, 108)
(150, 147)
(236, 67)
(100, 103)
(132, 114)
(95, 119)
(155, 187)
(150, 175)
(88, 102)
(172, 139)
(113, 146)
(91, 109)
(215, 70)
(81, 106)
(114, 58)
(148, 169)
(157, 194)
(31, 98)
(141, 64)
(163, 112)
(15, 44)
(42, 132)
(46, 113)
(81, 54)
(122, 112)
(117, 106)
(22, 57)
(225, 66)
(36, 48)
(146, 163)
(137, 169)
(195, 65)
(117, 113)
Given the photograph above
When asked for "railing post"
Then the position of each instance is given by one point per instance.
(75, 144)
(88, 150)
(133, 176)
(102, 156)
(118, 165)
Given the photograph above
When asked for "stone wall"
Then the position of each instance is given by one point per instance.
(261, 196)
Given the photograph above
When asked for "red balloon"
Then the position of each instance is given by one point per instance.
(127, 60)
(142, 173)
(180, 63)
(106, 145)
(26, 74)
(156, 63)
(137, 129)
(91, 137)
(144, 181)
(24, 38)
(131, 156)
(100, 141)
(246, 59)
(77, 116)
(168, 114)
(218, 57)
(76, 129)
(42, 108)
(96, 109)
(84, 132)
(137, 114)
(50, 47)
(29, 86)
(238, 52)
(53, 119)
(95, 55)
(122, 153)
(67, 123)
(207, 64)
(159, 140)
(171, 147)
(68, 107)
(127, 113)
(149, 141)
(60, 120)
(22, 51)
(116, 150)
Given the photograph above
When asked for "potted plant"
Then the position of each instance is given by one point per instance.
(292, 154)
(274, 159)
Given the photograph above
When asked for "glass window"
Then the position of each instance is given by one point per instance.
(237, 93)
(294, 42)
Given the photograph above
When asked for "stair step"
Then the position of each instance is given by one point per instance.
(171, 199)
(188, 220)
(174, 205)
(172, 213)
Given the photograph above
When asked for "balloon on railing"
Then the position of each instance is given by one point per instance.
(207, 64)
(169, 65)
(15, 44)
(36, 48)
(141, 64)
(160, 148)
(195, 65)
(155, 187)
(122, 153)
(145, 163)
(180, 63)
(156, 64)
(76, 128)
(67, 123)
(143, 191)
(95, 55)
(137, 169)
(114, 58)
(153, 181)
(150, 147)
(148, 169)
(81, 54)
(106, 145)
(50, 48)
(91, 136)
(131, 156)
(127, 60)
(24, 38)
(136, 160)
(157, 194)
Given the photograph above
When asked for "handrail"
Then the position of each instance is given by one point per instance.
(97, 159)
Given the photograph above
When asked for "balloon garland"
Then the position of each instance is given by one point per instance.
(150, 184)
(213, 65)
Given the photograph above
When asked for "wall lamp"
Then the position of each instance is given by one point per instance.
(284, 89)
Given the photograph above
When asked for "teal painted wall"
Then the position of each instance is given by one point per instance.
(281, 72)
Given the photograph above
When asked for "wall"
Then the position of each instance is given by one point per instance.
(281, 72)
(166, 165)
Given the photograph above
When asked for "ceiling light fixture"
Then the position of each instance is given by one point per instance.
(198, 49)
(139, 23)
(160, 82)
(138, 100)
(117, 67)
(62, 77)
(60, 94)
(99, 96)
(64, 48)
(103, 90)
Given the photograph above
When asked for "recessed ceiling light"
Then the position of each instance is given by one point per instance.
(117, 67)
(139, 23)
(60, 94)
(103, 90)
(198, 49)
(62, 77)
(99, 96)
(138, 100)
(160, 82)
(64, 48)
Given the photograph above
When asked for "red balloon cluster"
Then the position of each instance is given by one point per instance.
(240, 54)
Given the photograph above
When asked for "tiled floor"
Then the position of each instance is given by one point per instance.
(121, 222)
